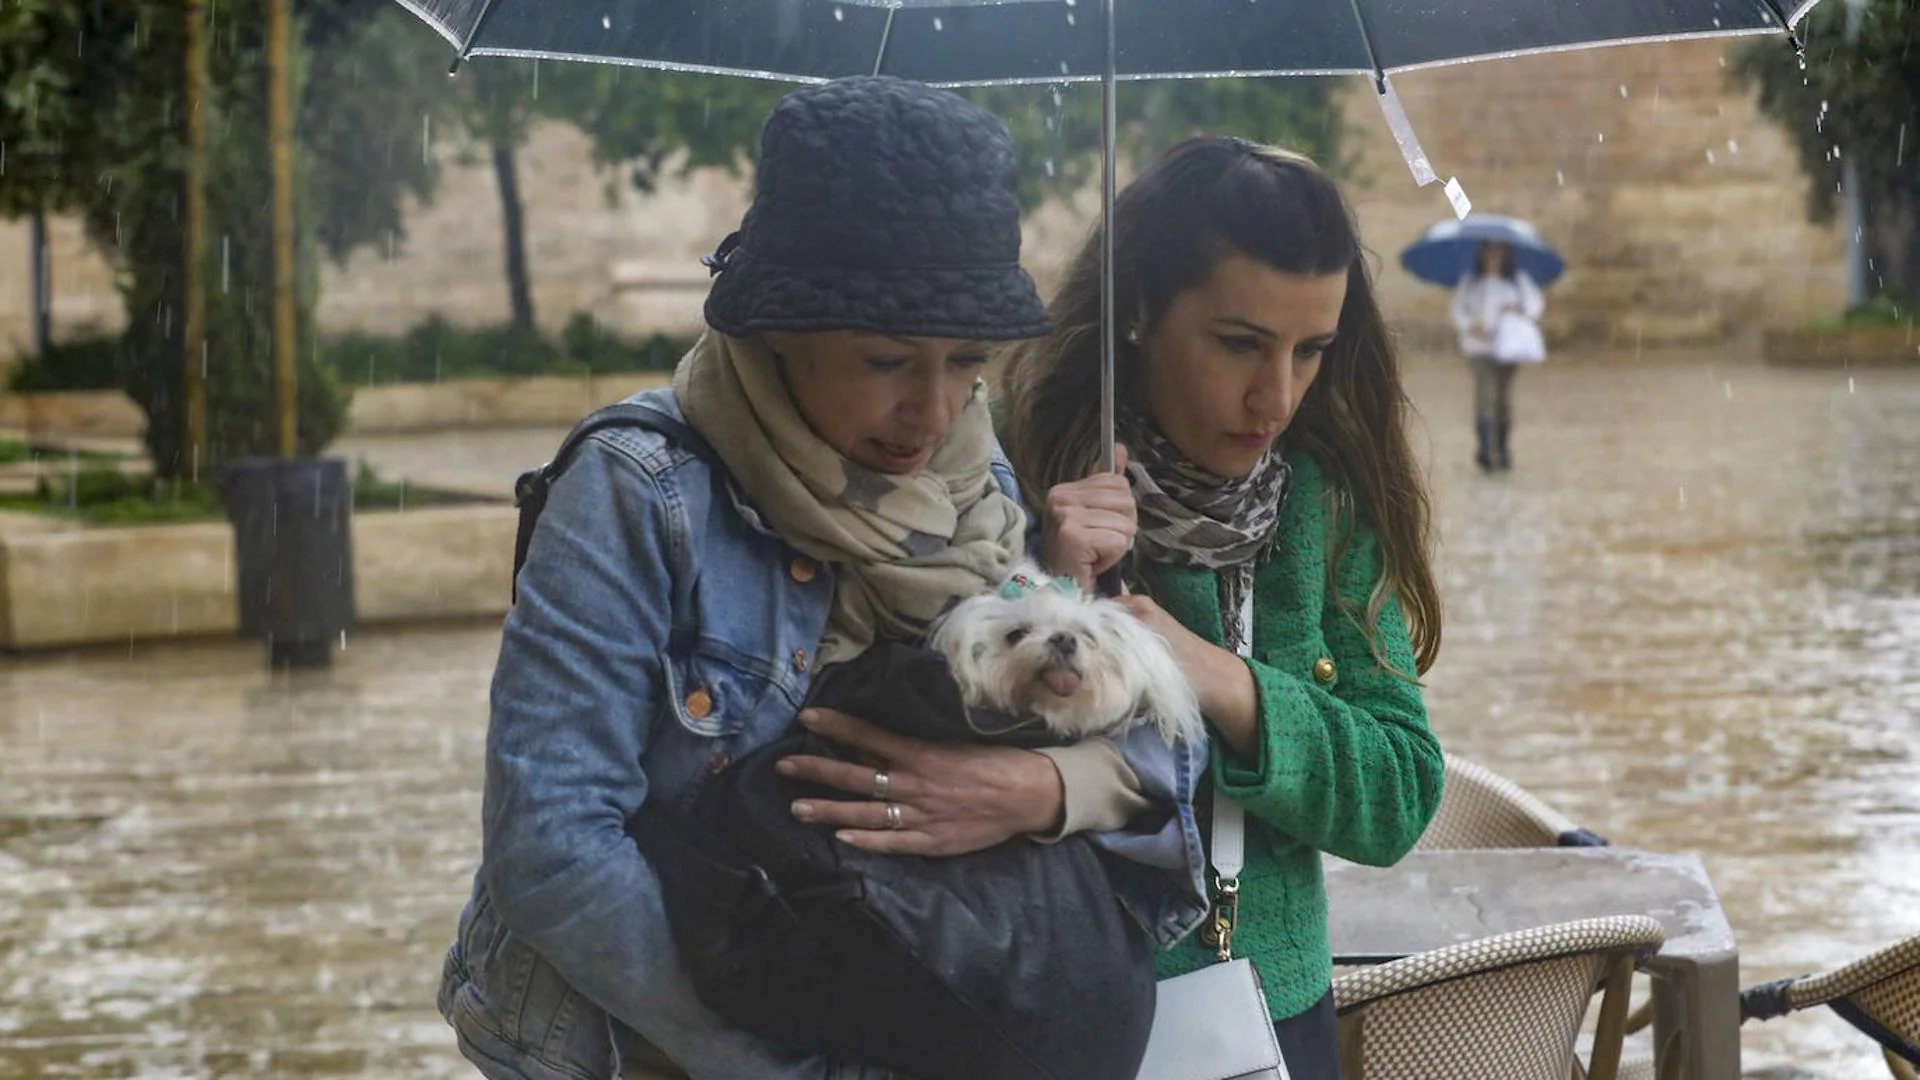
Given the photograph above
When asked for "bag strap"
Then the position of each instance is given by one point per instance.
(531, 489)
(1229, 851)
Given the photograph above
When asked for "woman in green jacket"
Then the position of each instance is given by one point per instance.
(1282, 526)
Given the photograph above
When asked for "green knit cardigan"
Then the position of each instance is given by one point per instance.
(1345, 763)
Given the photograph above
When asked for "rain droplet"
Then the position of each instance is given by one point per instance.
(938, 24)
(1560, 177)
(1049, 166)
(606, 22)
(1710, 157)
(1683, 496)
(1601, 137)
(1728, 387)
(1623, 91)
(1849, 384)
(1070, 19)
(1063, 68)
(1732, 147)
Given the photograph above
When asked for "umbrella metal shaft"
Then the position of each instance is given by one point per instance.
(1108, 124)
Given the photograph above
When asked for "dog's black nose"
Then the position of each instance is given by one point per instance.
(1063, 643)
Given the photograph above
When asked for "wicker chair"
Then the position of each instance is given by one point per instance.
(1878, 993)
(1479, 808)
(1507, 1007)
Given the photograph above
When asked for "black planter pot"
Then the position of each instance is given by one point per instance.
(293, 554)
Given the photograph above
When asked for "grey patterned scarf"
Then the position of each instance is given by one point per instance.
(1192, 517)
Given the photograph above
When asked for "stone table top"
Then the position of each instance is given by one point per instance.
(1432, 899)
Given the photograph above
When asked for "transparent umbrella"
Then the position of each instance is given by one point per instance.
(985, 42)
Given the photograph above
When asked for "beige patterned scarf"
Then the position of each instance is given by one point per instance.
(903, 547)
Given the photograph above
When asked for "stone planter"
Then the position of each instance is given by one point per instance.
(65, 585)
(1866, 347)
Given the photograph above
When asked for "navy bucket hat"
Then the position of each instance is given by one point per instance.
(880, 205)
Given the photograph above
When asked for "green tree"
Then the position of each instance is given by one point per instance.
(1855, 100)
(1058, 127)
(647, 124)
(40, 101)
(121, 161)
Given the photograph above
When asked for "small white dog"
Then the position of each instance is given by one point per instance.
(1081, 665)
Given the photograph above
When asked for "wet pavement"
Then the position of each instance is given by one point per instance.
(1690, 618)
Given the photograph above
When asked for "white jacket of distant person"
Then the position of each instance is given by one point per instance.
(1480, 301)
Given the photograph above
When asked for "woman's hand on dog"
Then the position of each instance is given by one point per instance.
(1090, 523)
(953, 799)
(1221, 680)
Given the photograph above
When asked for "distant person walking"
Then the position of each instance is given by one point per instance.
(1496, 311)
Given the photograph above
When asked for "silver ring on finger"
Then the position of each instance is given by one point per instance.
(882, 783)
(893, 815)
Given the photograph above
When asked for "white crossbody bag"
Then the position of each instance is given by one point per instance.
(1212, 1024)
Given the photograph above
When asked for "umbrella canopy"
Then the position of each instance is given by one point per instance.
(1448, 252)
(979, 42)
(958, 42)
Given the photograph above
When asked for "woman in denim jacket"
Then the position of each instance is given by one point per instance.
(670, 612)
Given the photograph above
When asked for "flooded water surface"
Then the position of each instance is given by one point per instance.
(1689, 618)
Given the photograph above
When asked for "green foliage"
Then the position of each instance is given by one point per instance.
(91, 363)
(100, 494)
(437, 349)
(43, 101)
(1855, 101)
(656, 124)
(1057, 128)
(120, 132)
(371, 89)
(1883, 312)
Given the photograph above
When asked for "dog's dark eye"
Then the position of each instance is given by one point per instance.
(1016, 635)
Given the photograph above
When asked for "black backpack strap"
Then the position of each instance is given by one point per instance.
(530, 490)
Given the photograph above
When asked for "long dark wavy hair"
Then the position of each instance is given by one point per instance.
(1205, 199)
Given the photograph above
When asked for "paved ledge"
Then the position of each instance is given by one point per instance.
(80, 585)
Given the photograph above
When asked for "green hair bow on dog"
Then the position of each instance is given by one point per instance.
(1022, 583)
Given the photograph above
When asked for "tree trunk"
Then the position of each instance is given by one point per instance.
(42, 286)
(513, 217)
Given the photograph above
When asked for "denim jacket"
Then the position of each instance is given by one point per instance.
(661, 631)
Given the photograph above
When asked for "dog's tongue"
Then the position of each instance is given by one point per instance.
(1063, 683)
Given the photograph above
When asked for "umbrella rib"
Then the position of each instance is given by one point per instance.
(473, 34)
(1786, 23)
(1366, 40)
(886, 38)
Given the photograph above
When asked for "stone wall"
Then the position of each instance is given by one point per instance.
(1679, 208)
